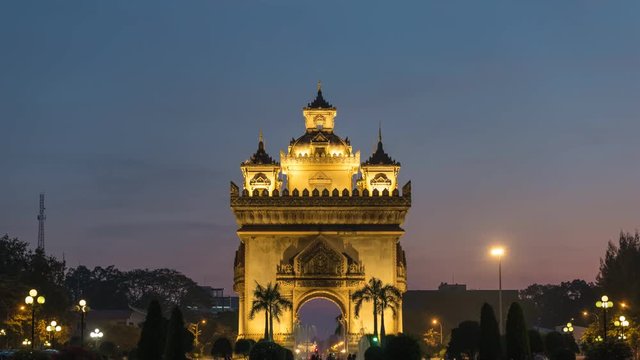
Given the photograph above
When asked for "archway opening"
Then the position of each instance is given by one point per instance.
(321, 326)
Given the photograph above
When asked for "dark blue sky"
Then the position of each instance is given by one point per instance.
(516, 121)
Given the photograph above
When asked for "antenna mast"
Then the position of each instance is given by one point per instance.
(41, 218)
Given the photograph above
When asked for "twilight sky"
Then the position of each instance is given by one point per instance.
(518, 122)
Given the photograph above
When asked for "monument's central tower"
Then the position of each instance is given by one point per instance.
(320, 223)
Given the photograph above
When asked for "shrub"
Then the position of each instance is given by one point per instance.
(222, 348)
(243, 347)
(553, 342)
(265, 350)
(609, 350)
(563, 354)
(374, 353)
(536, 342)
(401, 347)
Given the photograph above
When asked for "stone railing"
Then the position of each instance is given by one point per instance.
(317, 197)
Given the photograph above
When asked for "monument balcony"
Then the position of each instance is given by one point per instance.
(324, 207)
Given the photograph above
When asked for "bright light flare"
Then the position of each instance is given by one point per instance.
(497, 251)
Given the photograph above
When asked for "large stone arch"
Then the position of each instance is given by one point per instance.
(330, 295)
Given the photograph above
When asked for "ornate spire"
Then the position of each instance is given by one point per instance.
(380, 157)
(260, 157)
(319, 102)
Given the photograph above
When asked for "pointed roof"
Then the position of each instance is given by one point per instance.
(319, 102)
(260, 157)
(380, 157)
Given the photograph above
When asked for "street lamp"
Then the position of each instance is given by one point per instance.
(196, 334)
(568, 328)
(96, 335)
(52, 329)
(438, 322)
(605, 304)
(622, 322)
(498, 251)
(82, 308)
(32, 299)
(26, 342)
(3, 333)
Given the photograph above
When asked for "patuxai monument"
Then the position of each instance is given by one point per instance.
(320, 223)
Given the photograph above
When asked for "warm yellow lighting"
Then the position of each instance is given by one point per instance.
(204, 321)
(82, 303)
(58, 328)
(22, 308)
(605, 298)
(623, 305)
(584, 313)
(54, 323)
(49, 328)
(434, 321)
(28, 300)
(40, 299)
(33, 292)
(497, 251)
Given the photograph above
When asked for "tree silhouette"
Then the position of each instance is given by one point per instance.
(489, 347)
(518, 347)
(152, 338)
(177, 343)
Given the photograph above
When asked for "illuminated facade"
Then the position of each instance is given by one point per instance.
(320, 223)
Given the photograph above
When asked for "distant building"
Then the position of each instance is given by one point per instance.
(450, 304)
(221, 303)
(124, 317)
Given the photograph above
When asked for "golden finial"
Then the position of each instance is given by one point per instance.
(319, 85)
(260, 136)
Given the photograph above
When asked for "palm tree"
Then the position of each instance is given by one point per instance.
(389, 299)
(269, 300)
(369, 293)
(261, 303)
(278, 305)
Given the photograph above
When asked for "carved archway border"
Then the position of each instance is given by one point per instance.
(321, 294)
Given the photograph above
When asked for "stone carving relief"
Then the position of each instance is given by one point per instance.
(320, 259)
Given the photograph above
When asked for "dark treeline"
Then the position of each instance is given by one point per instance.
(102, 287)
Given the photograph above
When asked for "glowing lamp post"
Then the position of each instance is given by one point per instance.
(623, 323)
(438, 322)
(82, 308)
(3, 333)
(498, 252)
(52, 329)
(96, 335)
(605, 304)
(31, 300)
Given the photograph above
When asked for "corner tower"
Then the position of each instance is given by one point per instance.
(323, 232)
